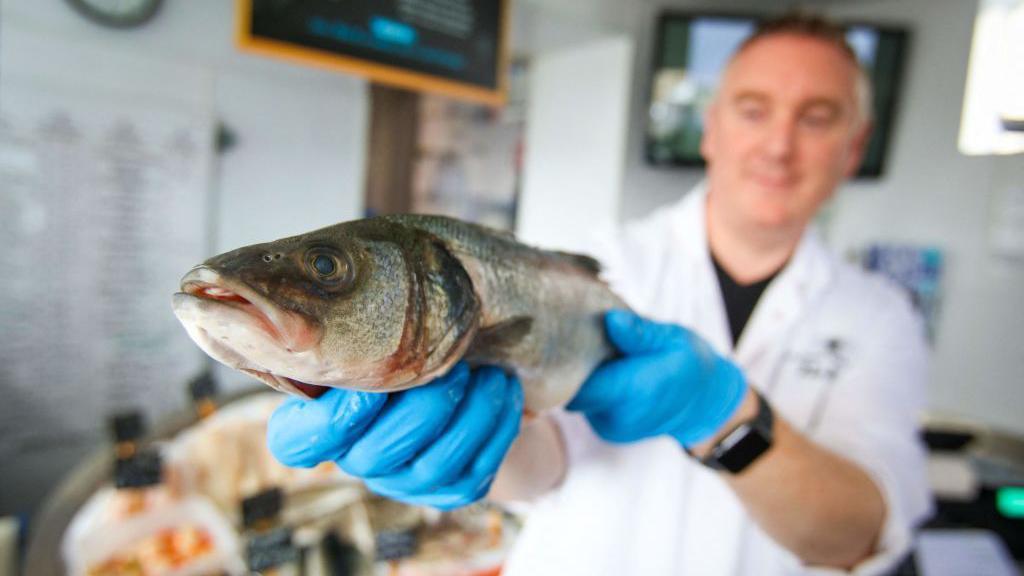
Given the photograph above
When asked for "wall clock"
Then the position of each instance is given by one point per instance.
(117, 13)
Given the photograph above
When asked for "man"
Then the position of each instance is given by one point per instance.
(780, 439)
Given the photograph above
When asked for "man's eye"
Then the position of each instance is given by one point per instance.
(753, 113)
(818, 120)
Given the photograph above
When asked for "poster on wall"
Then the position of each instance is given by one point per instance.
(452, 47)
(916, 269)
(103, 200)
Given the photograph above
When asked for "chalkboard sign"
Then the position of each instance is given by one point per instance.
(454, 47)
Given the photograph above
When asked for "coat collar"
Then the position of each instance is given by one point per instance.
(796, 289)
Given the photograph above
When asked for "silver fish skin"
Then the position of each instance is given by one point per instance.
(389, 303)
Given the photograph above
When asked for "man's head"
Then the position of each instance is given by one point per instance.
(788, 124)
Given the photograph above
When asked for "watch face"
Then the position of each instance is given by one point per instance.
(741, 448)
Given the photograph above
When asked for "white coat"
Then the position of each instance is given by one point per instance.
(839, 354)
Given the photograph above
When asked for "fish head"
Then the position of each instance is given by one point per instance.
(338, 307)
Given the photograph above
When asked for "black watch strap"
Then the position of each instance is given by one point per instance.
(745, 443)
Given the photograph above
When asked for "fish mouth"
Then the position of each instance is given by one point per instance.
(292, 332)
(288, 385)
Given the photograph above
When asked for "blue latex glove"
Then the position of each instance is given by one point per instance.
(669, 381)
(437, 445)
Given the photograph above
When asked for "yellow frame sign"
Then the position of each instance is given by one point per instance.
(382, 73)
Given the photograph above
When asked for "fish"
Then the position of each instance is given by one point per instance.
(388, 303)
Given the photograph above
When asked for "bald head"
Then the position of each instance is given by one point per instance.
(827, 33)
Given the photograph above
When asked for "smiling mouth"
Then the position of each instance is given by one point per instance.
(774, 181)
(289, 330)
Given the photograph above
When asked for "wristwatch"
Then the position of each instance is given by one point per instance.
(745, 443)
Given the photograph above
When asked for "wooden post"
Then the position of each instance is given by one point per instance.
(394, 132)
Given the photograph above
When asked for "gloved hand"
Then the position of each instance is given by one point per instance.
(437, 445)
(669, 381)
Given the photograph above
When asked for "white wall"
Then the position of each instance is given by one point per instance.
(572, 170)
(300, 157)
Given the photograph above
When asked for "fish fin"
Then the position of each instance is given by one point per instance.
(590, 265)
(491, 342)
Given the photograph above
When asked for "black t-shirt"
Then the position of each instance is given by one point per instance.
(739, 299)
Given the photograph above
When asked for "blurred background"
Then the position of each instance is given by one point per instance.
(139, 137)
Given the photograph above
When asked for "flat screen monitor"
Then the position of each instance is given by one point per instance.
(692, 49)
(452, 47)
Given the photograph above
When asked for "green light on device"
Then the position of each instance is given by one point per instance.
(1010, 501)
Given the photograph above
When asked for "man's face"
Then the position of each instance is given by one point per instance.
(783, 132)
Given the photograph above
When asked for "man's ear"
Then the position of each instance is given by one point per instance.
(857, 149)
(707, 138)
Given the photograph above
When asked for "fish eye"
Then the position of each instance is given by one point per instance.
(329, 267)
(324, 265)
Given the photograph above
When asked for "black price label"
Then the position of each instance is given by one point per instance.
(127, 426)
(202, 387)
(142, 470)
(271, 549)
(395, 545)
(263, 506)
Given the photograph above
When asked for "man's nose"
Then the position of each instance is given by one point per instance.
(780, 140)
